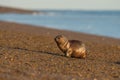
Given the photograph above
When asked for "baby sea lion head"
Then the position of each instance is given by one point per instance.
(60, 39)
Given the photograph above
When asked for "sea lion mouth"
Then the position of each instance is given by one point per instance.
(55, 39)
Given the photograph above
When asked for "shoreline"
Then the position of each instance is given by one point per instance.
(33, 28)
(30, 52)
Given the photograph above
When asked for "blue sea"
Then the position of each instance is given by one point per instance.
(105, 23)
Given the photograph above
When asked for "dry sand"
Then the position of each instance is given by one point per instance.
(30, 53)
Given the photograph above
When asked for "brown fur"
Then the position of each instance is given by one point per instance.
(71, 48)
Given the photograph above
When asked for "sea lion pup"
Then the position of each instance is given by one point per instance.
(71, 48)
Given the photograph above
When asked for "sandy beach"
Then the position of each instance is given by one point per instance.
(30, 53)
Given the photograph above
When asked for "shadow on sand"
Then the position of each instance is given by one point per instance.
(117, 62)
(38, 51)
(46, 52)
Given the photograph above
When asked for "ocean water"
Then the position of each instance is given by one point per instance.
(105, 23)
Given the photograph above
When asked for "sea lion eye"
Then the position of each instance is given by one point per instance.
(58, 37)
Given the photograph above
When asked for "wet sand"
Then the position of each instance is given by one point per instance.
(30, 53)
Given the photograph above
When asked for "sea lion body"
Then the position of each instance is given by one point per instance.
(71, 48)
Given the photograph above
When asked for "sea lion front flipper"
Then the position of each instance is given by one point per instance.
(68, 53)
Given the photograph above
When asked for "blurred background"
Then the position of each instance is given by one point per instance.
(99, 17)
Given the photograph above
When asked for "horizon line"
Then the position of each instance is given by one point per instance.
(60, 9)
